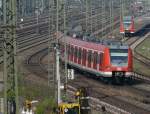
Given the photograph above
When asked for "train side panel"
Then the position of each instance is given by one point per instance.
(98, 60)
(106, 60)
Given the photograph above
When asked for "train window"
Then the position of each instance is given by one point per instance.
(84, 56)
(95, 55)
(76, 52)
(79, 53)
(72, 50)
(89, 56)
(98, 58)
(119, 57)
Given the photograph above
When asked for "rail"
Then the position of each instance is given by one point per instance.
(108, 107)
(100, 104)
(133, 46)
(140, 76)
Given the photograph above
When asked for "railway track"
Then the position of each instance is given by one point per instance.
(134, 42)
(110, 101)
(96, 90)
(35, 59)
(34, 63)
(111, 96)
(139, 56)
(125, 102)
(28, 30)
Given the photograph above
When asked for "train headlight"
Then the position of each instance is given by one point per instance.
(108, 67)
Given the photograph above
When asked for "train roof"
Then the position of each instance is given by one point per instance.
(94, 43)
(85, 44)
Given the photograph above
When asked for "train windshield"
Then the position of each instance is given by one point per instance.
(126, 25)
(127, 21)
(119, 57)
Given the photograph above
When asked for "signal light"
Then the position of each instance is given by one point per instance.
(77, 94)
(28, 104)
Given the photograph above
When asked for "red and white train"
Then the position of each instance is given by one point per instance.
(130, 25)
(101, 59)
(127, 25)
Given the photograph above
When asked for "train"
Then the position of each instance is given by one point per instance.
(127, 25)
(130, 26)
(105, 59)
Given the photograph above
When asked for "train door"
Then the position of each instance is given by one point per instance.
(95, 59)
(79, 55)
(89, 58)
(84, 55)
(75, 54)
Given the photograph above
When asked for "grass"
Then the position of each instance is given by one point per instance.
(144, 48)
(140, 68)
(46, 106)
(29, 90)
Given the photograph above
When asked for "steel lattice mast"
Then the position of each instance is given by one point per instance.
(10, 67)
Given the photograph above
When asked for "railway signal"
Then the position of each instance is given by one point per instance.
(27, 109)
(83, 99)
(80, 107)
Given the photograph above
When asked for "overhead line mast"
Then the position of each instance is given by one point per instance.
(10, 61)
(65, 33)
(86, 16)
(51, 65)
(57, 55)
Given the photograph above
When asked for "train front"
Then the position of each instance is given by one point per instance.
(127, 26)
(118, 61)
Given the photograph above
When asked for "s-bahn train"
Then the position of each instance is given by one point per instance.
(127, 25)
(130, 26)
(111, 60)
